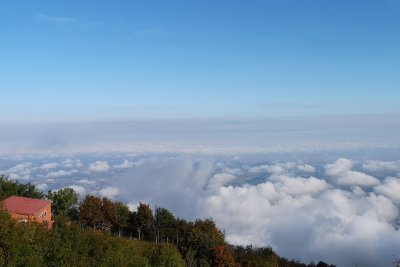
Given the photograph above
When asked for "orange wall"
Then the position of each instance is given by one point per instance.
(36, 217)
(19, 216)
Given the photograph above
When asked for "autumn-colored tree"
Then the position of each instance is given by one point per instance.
(90, 212)
(221, 257)
(109, 214)
(68, 244)
(199, 238)
(206, 235)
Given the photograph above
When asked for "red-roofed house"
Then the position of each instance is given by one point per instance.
(29, 209)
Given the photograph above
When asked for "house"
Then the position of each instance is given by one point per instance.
(26, 209)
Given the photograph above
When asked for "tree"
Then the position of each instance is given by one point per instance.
(199, 237)
(9, 188)
(165, 225)
(122, 221)
(109, 214)
(64, 201)
(221, 257)
(144, 220)
(90, 212)
(205, 233)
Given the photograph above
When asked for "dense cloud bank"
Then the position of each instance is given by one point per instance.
(262, 135)
(344, 211)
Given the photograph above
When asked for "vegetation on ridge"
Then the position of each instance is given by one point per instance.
(99, 232)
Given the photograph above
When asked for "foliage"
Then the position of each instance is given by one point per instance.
(9, 188)
(83, 236)
(144, 221)
(69, 245)
(90, 213)
(109, 213)
(265, 257)
(249, 256)
(221, 257)
(165, 225)
(64, 201)
(121, 226)
(97, 213)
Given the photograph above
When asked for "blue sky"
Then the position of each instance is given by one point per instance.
(92, 60)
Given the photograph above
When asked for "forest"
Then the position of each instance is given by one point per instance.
(96, 231)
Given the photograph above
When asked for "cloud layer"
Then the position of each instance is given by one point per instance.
(209, 136)
(344, 211)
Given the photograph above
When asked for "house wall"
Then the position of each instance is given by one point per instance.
(19, 216)
(36, 217)
(47, 217)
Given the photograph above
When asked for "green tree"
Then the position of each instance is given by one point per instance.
(144, 221)
(9, 188)
(204, 235)
(64, 201)
(165, 225)
(122, 221)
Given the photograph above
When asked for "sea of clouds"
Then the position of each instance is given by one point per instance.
(314, 188)
(311, 206)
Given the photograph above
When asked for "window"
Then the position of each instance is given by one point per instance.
(42, 215)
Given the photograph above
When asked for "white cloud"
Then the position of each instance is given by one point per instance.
(133, 206)
(308, 227)
(390, 188)
(110, 192)
(14, 176)
(72, 163)
(308, 218)
(21, 171)
(341, 166)
(20, 168)
(68, 161)
(124, 165)
(86, 182)
(294, 186)
(375, 165)
(306, 168)
(42, 187)
(78, 189)
(267, 168)
(304, 218)
(60, 173)
(48, 166)
(357, 178)
(343, 174)
(99, 166)
(219, 180)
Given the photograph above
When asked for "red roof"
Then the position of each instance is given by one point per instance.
(24, 205)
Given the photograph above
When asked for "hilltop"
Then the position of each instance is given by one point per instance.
(97, 231)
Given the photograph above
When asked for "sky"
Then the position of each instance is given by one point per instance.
(140, 60)
(211, 107)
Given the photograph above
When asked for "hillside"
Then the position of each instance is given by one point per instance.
(99, 232)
